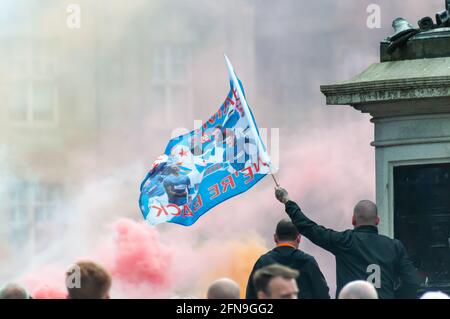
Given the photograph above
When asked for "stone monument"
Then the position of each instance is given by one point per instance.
(408, 96)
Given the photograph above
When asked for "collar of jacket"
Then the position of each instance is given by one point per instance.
(367, 229)
(286, 245)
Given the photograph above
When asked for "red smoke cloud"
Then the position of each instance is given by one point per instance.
(140, 260)
(47, 292)
(139, 255)
(141, 266)
(46, 283)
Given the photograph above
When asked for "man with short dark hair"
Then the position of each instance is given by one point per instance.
(311, 283)
(361, 253)
(94, 281)
(276, 282)
(13, 291)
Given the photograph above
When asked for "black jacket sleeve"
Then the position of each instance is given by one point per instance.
(328, 239)
(407, 274)
(319, 285)
(250, 293)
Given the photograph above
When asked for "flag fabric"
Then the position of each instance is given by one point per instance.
(199, 170)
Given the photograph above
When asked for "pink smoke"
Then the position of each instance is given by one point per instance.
(47, 292)
(140, 257)
(141, 266)
(46, 283)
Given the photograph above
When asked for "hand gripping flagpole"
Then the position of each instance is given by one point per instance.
(265, 156)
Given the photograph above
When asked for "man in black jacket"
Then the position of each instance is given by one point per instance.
(361, 253)
(311, 282)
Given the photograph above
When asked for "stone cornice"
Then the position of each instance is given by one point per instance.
(393, 81)
(386, 90)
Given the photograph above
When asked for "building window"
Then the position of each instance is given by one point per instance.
(32, 101)
(170, 78)
(32, 90)
(43, 102)
(45, 201)
(18, 103)
(32, 208)
(19, 214)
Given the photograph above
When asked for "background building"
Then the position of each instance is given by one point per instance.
(71, 94)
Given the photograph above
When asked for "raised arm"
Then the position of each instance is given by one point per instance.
(326, 238)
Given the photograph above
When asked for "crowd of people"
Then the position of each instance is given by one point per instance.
(368, 265)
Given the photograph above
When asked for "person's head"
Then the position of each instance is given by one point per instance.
(435, 295)
(276, 282)
(94, 281)
(358, 289)
(174, 169)
(224, 288)
(287, 233)
(13, 291)
(365, 213)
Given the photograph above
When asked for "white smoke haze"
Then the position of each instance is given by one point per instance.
(111, 127)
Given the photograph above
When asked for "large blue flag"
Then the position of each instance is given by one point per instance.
(201, 169)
